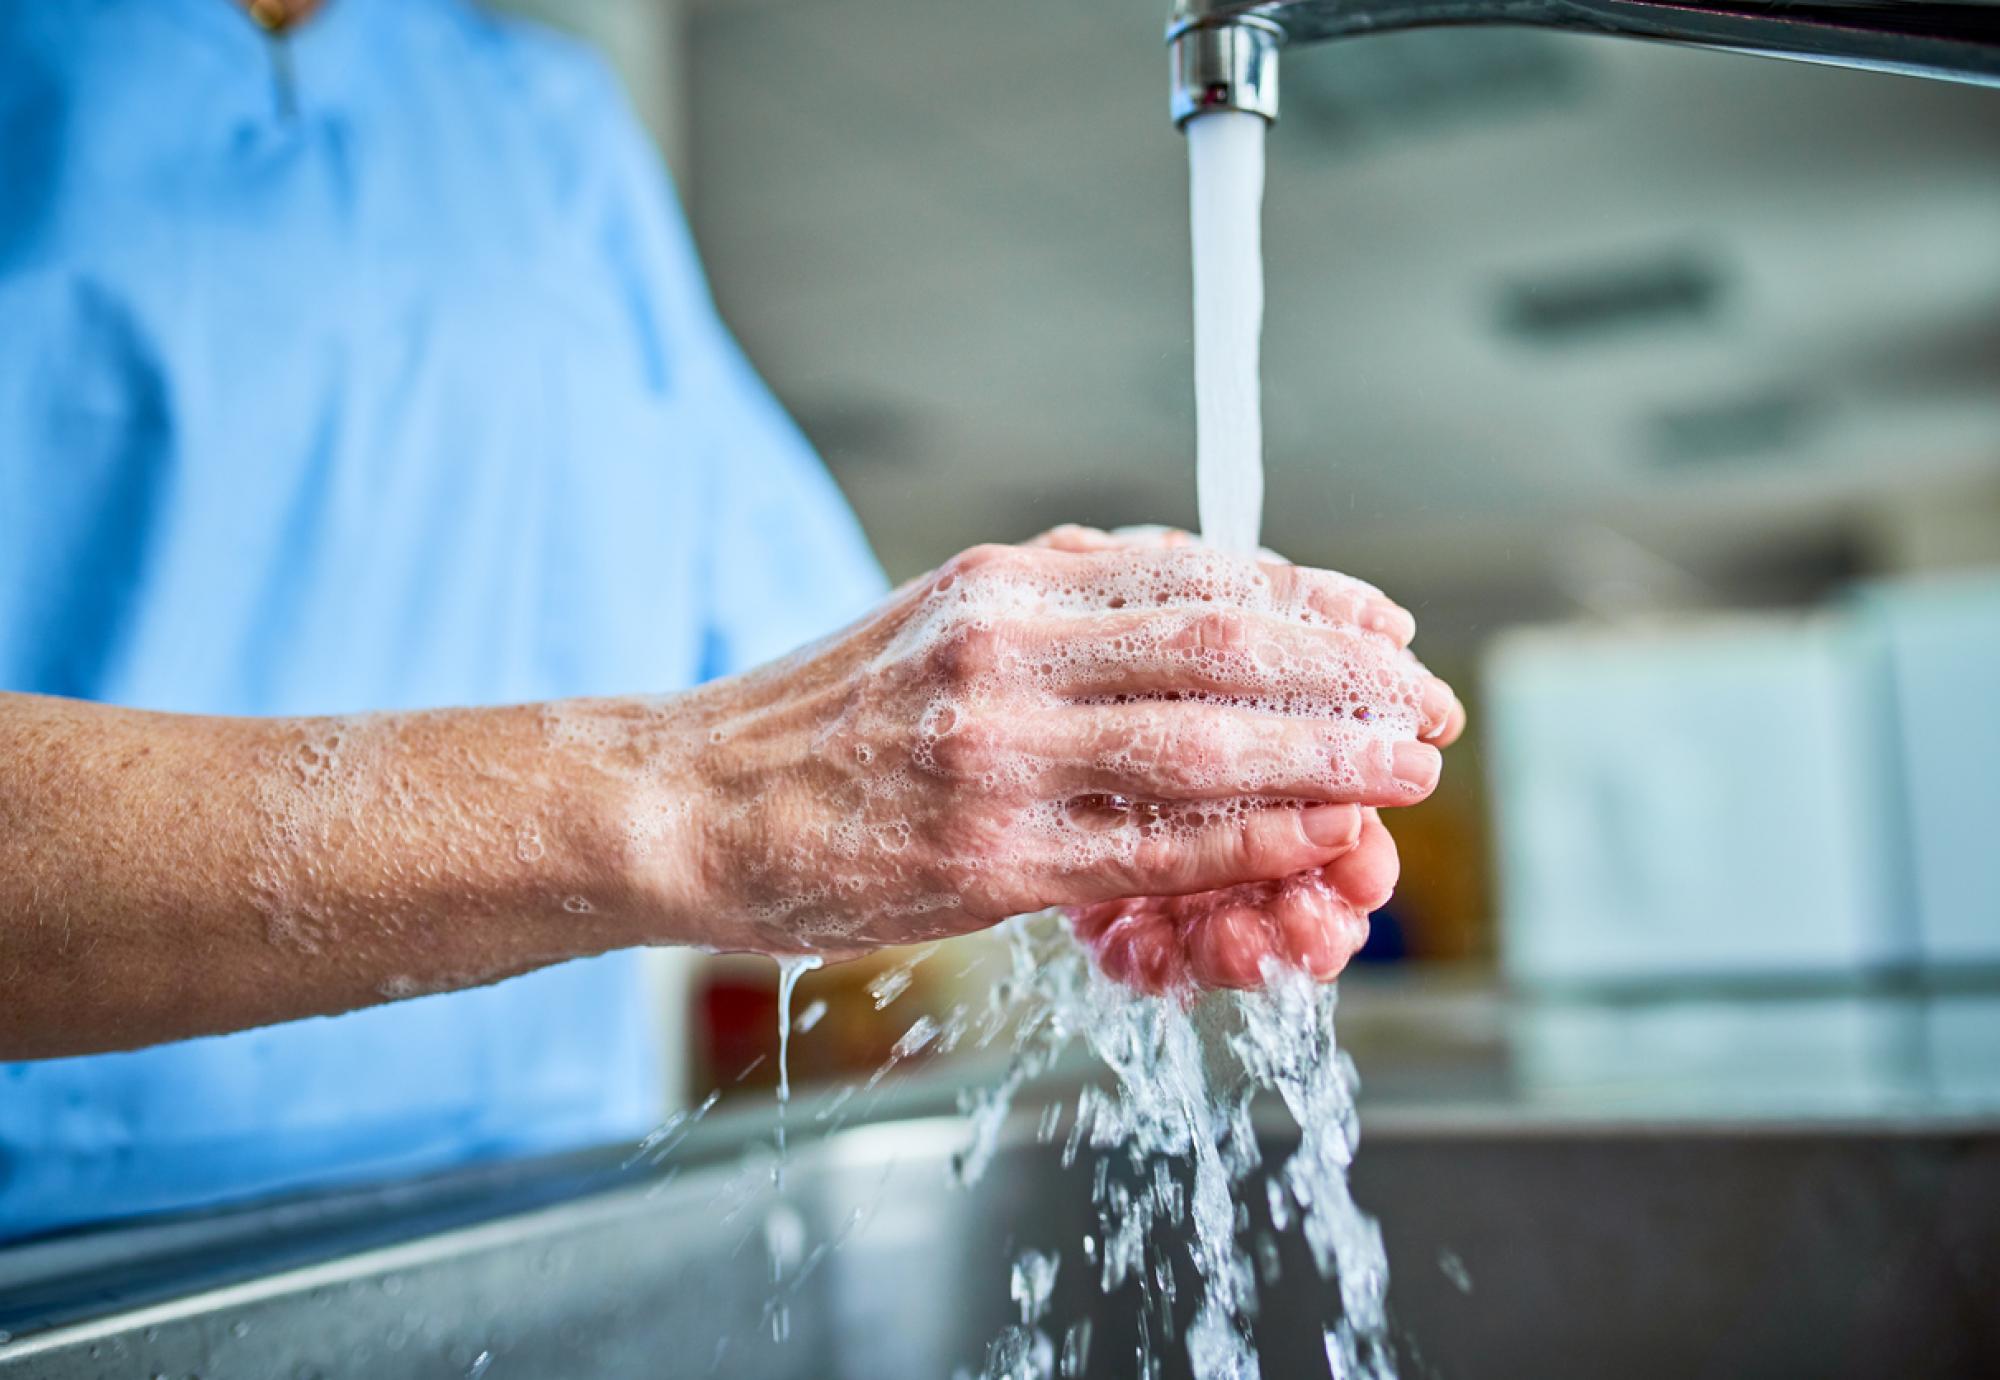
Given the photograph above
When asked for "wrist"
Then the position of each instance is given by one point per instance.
(631, 782)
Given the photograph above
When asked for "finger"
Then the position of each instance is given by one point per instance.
(1365, 875)
(1319, 930)
(1152, 534)
(1125, 575)
(1138, 946)
(1443, 717)
(1225, 938)
(1076, 539)
(1454, 725)
(1228, 848)
(1231, 652)
(1340, 599)
(1089, 922)
(1195, 752)
(1228, 943)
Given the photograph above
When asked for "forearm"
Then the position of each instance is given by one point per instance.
(163, 876)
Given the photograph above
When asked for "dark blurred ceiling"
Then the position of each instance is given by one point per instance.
(1520, 285)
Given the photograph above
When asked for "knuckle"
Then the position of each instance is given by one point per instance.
(968, 654)
(1072, 537)
(1220, 631)
(1155, 858)
(1339, 599)
(1250, 843)
(985, 556)
(988, 898)
(968, 752)
(1195, 751)
(1337, 606)
(1271, 841)
(1286, 581)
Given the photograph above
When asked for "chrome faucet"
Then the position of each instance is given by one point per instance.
(1225, 52)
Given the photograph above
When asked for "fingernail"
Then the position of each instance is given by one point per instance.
(1331, 826)
(1417, 765)
(1437, 706)
(1391, 620)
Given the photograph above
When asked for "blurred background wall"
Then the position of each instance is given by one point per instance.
(1663, 385)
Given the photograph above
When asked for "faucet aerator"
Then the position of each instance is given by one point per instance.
(1225, 52)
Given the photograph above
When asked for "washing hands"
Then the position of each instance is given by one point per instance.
(1185, 751)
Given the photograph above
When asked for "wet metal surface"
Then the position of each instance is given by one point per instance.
(1549, 1250)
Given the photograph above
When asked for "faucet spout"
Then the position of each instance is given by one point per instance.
(1231, 65)
(1225, 51)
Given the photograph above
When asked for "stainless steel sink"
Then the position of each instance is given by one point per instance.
(1542, 1250)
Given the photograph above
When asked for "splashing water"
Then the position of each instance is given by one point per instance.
(1173, 1156)
(665, 1138)
(1076, 1349)
(1287, 1043)
(1226, 199)
(1177, 1124)
(1025, 1351)
(895, 980)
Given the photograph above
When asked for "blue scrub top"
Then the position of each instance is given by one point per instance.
(400, 388)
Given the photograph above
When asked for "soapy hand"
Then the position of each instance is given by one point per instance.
(1065, 724)
(1314, 920)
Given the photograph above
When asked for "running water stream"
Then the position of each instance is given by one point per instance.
(1281, 1037)
(1226, 203)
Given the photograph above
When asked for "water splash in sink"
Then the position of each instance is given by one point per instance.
(1176, 1125)
(1026, 1352)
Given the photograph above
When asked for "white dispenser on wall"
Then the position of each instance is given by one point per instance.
(1753, 796)
(1697, 800)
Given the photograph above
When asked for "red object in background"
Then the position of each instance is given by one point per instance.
(735, 1014)
(739, 1022)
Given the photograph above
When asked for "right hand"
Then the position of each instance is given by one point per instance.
(1030, 727)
